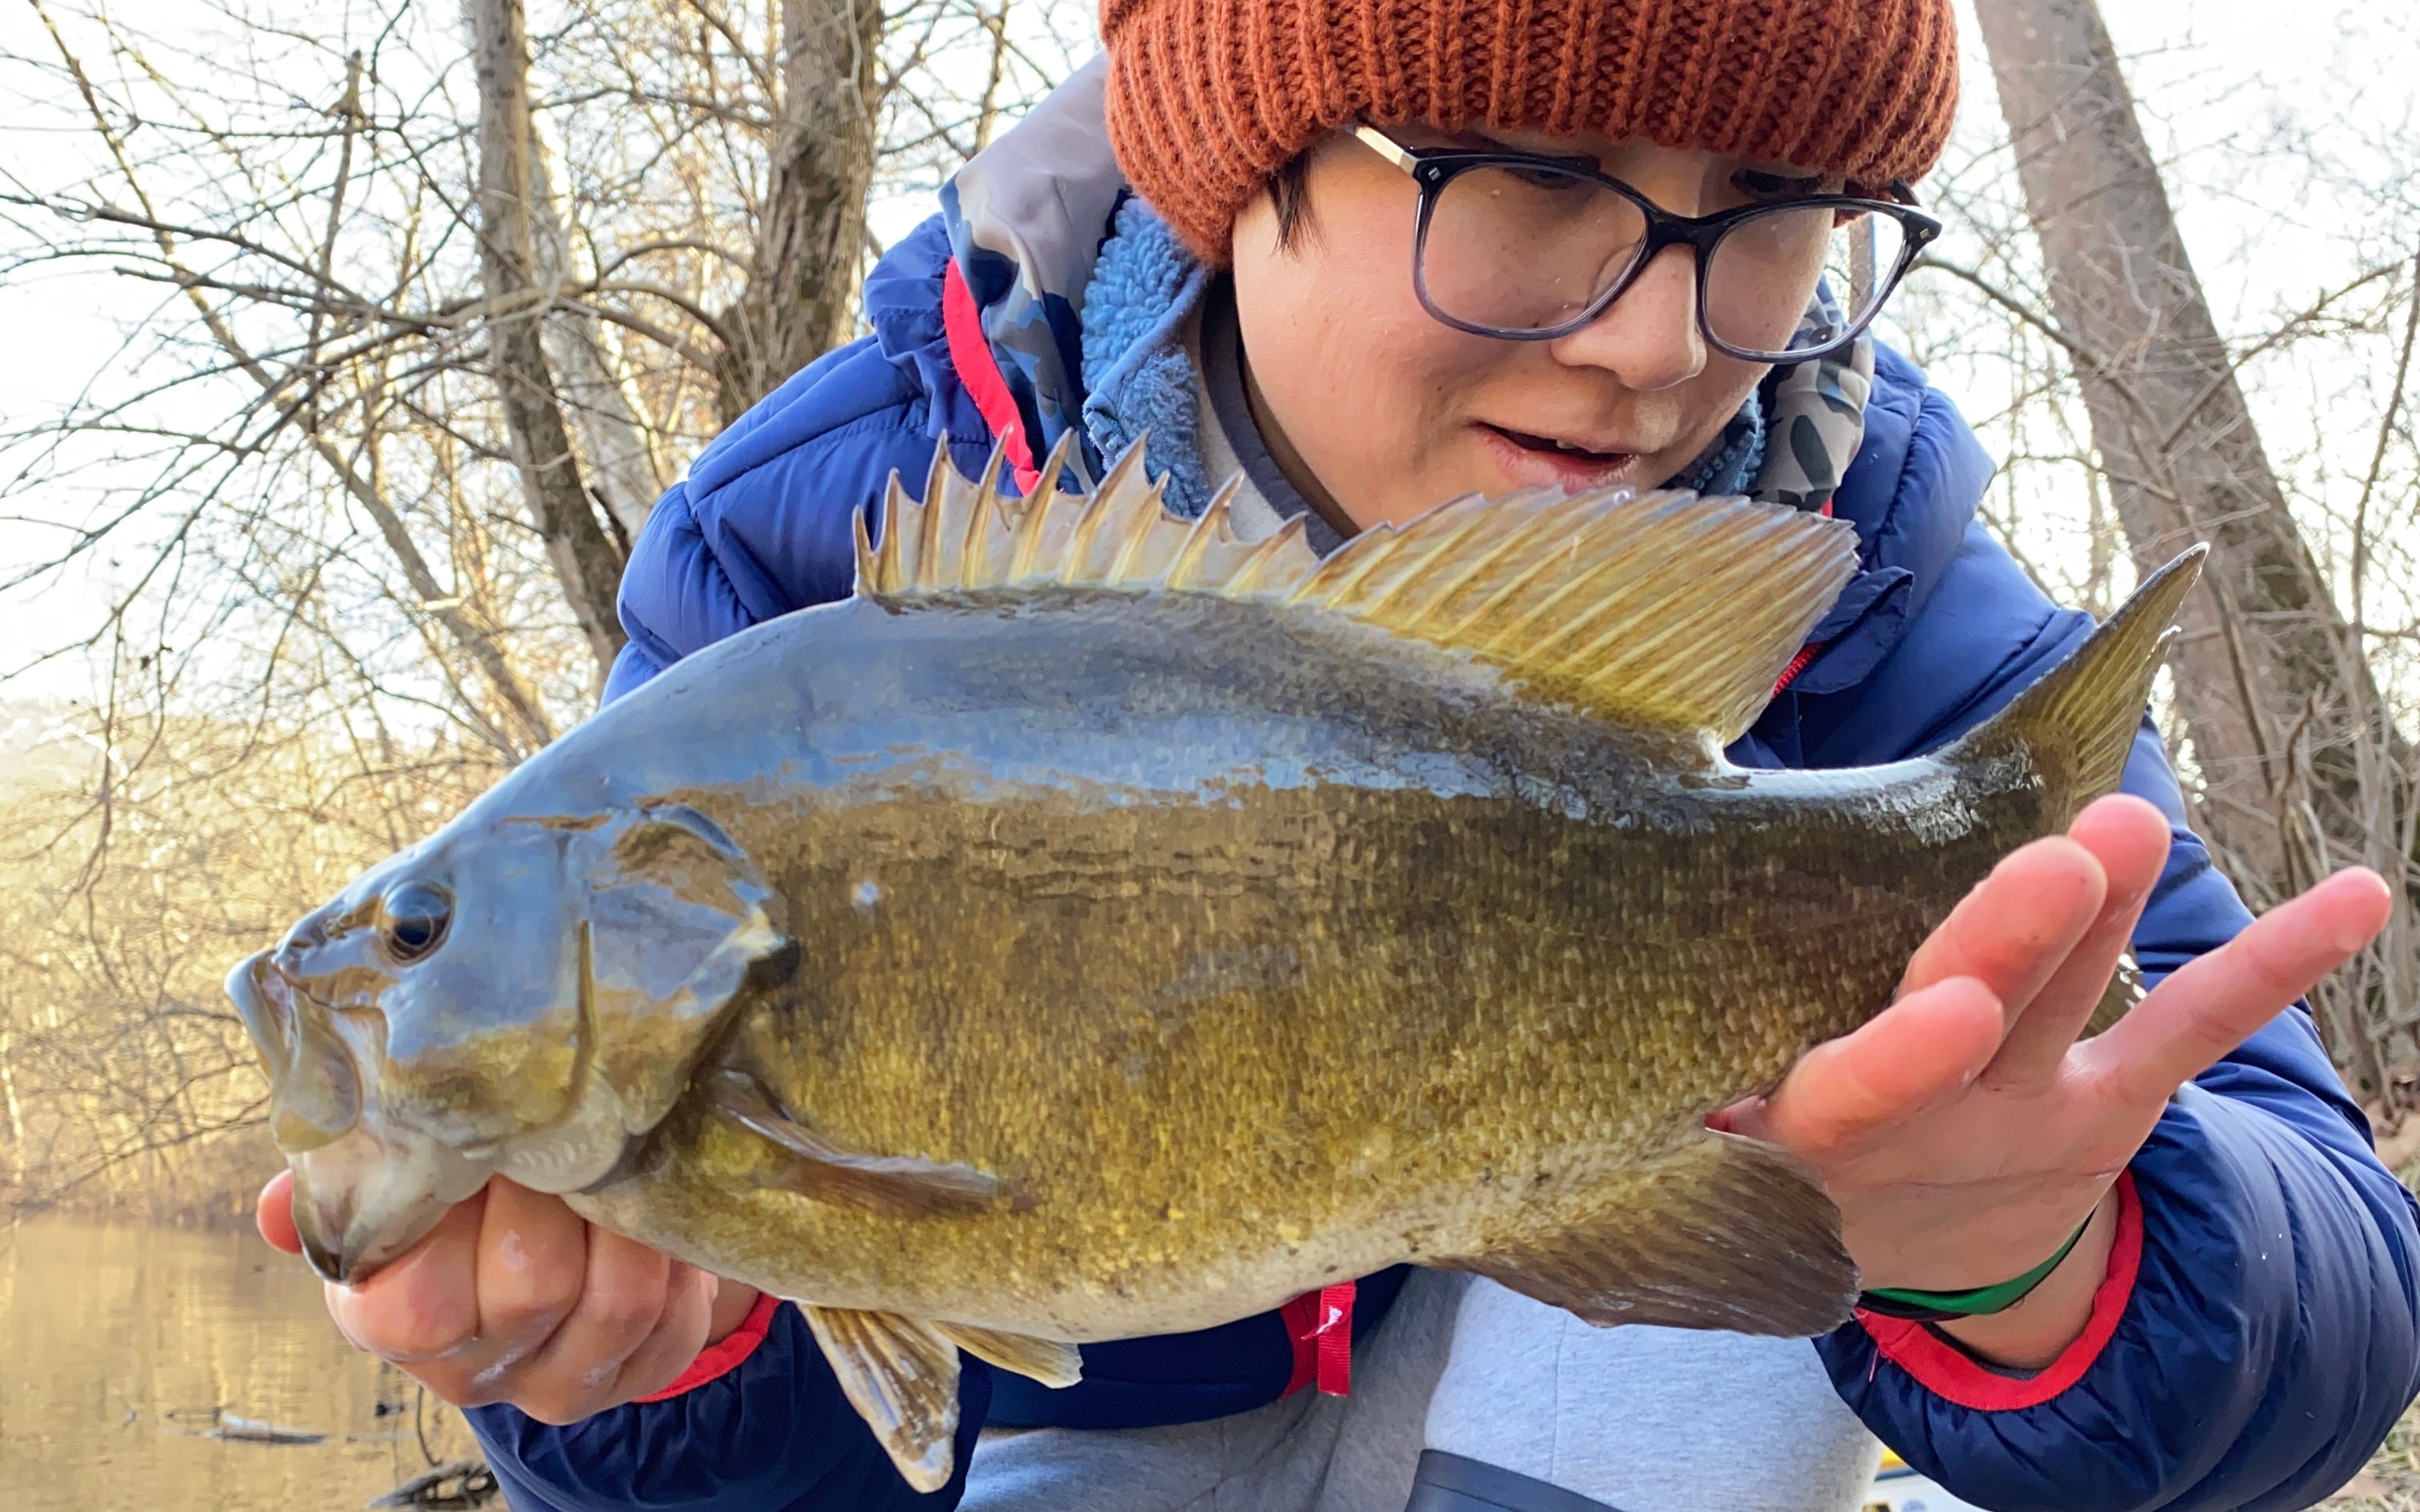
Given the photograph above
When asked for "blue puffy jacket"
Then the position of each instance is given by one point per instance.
(2255, 1336)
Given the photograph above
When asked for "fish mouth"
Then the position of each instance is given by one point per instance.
(270, 1026)
(363, 1200)
(315, 1087)
(365, 1191)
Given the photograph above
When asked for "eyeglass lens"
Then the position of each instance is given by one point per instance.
(1531, 247)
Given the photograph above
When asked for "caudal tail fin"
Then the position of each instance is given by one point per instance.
(2077, 724)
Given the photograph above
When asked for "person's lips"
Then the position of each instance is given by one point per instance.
(1533, 458)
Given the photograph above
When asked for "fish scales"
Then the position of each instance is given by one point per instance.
(1028, 998)
(1103, 925)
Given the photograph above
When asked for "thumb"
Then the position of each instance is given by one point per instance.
(275, 1213)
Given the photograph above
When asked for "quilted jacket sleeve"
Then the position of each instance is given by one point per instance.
(762, 526)
(2255, 1336)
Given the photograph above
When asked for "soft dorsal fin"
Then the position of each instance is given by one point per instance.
(1665, 610)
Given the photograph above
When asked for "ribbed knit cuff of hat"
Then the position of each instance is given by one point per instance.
(1207, 99)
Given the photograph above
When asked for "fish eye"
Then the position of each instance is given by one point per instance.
(416, 915)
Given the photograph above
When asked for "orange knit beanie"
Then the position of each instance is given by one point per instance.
(1208, 97)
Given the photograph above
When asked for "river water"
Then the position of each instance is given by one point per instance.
(116, 1344)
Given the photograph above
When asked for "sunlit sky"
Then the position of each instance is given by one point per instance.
(2219, 78)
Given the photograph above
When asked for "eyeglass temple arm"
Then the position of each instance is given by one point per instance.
(1386, 148)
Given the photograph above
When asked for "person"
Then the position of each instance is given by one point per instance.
(1367, 258)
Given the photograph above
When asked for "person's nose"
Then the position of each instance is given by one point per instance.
(1649, 338)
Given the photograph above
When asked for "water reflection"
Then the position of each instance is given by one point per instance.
(121, 1341)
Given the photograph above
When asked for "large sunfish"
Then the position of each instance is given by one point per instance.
(1102, 926)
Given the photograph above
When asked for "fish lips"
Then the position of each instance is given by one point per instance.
(315, 1086)
(271, 1026)
(363, 1200)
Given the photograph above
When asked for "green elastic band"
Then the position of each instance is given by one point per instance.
(1983, 1300)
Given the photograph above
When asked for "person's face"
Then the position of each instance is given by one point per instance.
(1383, 410)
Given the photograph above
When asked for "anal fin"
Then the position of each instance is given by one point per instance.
(894, 1186)
(1724, 1233)
(902, 1376)
(1048, 1361)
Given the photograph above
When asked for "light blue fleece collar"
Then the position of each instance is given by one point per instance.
(1138, 378)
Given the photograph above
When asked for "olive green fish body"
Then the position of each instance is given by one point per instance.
(1241, 976)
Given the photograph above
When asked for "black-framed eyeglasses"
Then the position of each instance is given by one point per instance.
(1529, 248)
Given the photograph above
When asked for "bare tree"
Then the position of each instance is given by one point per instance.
(589, 565)
(810, 243)
(2299, 769)
(396, 271)
(2173, 430)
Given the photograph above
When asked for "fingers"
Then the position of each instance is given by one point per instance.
(515, 1298)
(1922, 1048)
(2013, 932)
(274, 1214)
(688, 1324)
(623, 1299)
(2129, 838)
(424, 1308)
(2214, 1002)
(531, 1267)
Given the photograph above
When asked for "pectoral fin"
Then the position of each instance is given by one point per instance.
(1724, 1233)
(902, 1376)
(1048, 1361)
(894, 1186)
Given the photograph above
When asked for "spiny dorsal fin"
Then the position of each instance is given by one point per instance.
(1665, 610)
(965, 535)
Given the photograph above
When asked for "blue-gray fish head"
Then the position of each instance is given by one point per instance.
(523, 996)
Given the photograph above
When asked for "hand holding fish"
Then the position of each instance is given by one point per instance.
(514, 1298)
(1967, 1131)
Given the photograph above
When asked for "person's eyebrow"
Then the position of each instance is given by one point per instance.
(1786, 187)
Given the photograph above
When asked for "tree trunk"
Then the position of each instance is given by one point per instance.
(15, 1112)
(585, 559)
(617, 457)
(801, 297)
(2274, 688)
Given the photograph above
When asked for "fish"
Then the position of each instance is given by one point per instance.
(1102, 924)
